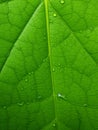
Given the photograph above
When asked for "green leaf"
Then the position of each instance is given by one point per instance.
(48, 65)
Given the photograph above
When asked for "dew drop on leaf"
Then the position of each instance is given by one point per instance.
(44, 60)
(61, 96)
(54, 14)
(54, 125)
(20, 103)
(80, 31)
(85, 105)
(29, 73)
(39, 65)
(59, 65)
(62, 1)
(26, 80)
(5, 107)
(53, 69)
(39, 98)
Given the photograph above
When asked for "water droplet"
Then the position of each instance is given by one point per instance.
(54, 14)
(30, 73)
(54, 125)
(20, 103)
(53, 69)
(59, 64)
(85, 105)
(61, 96)
(44, 60)
(62, 1)
(80, 31)
(39, 97)
(39, 65)
(5, 107)
(26, 80)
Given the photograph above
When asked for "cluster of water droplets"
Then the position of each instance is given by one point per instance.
(29, 74)
(62, 2)
(61, 96)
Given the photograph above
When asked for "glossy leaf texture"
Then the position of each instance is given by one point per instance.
(48, 65)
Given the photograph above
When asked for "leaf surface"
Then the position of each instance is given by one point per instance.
(48, 65)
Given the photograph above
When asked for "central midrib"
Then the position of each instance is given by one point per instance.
(50, 54)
